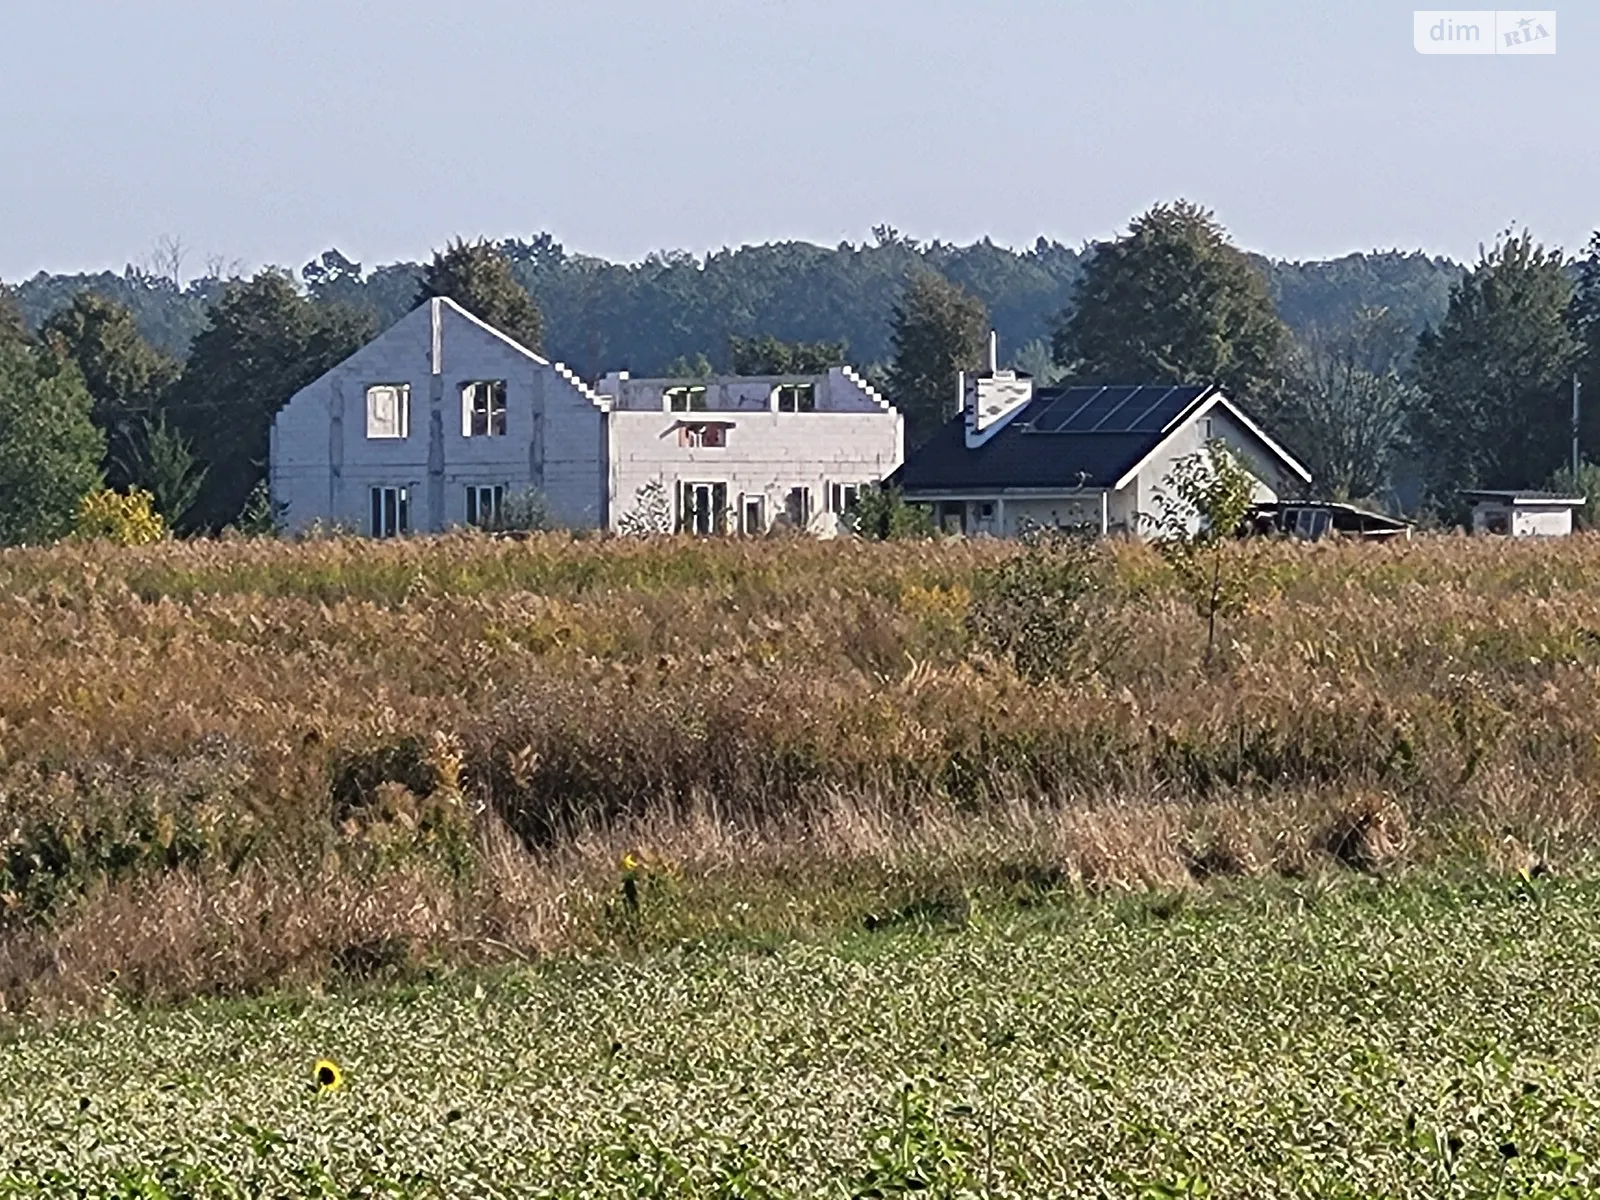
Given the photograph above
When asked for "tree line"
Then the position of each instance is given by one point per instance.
(1361, 365)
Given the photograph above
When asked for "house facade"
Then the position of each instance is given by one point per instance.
(1079, 457)
(741, 454)
(442, 421)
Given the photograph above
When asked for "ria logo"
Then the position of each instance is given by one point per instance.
(1485, 31)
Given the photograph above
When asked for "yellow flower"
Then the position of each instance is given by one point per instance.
(329, 1077)
(629, 862)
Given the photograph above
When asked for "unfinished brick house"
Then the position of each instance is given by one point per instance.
(441, 420)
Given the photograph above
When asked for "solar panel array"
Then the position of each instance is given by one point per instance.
(1144, 409)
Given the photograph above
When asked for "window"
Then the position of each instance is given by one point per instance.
(702, 508)
(391, 511)
(797, 508)
(753, 515)
(796, 397)
(703, 437)
(1205, 429)
(483, 408)
(388, 410)
(842, 497)
(686, 399)
(1311, 523)
(483, 505)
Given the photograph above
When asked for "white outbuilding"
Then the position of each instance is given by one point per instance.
(1523, 513)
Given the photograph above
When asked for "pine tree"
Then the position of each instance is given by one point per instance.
(1495, 377)
(938, 331)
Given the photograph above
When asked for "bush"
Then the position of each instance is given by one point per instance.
(526, 512)
(126, 518)
(882, 514)
(1035, 609)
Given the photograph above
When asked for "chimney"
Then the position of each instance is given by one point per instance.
(990, 399)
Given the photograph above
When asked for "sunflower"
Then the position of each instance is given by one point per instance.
(328, 1075)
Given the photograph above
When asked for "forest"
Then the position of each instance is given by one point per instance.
(641, 317)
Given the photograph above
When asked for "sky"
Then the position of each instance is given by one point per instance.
(265, 133)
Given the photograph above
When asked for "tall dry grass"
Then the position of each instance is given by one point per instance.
(226, 765)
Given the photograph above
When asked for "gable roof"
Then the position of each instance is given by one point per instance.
(1072, 437)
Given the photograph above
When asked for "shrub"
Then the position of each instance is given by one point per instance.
(882, 514)
(126, 518)
(526, 512)
(1035, 610)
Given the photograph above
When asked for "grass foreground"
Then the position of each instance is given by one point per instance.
(1337, 1038)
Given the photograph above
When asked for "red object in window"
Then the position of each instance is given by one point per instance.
(703, 436)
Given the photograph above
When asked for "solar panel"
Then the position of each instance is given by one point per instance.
(1124, 407)
(1056, 417)
(1164, 406)
(1052, 415)
(1080, 401)
(1121, 409)
(1107, 415)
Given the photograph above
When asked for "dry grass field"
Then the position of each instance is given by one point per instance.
(229, 766)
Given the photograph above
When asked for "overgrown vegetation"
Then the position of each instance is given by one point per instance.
(232, 765)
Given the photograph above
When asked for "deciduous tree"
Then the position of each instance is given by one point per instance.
(1174, 301)
(766, 355)
(12, 327)
(126, 375)
(1204, 501)
(49, 448)
(1346, 403)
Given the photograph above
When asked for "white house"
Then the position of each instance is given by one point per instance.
(1078, 457)
(441, 419)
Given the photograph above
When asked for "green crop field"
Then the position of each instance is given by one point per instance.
(1348, 1037)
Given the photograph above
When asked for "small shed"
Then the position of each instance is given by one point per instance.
(1311, 520)
(1523, 513)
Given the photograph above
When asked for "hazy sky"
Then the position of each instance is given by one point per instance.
(268, 131)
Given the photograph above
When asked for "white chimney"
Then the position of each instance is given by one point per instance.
(989, 400)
